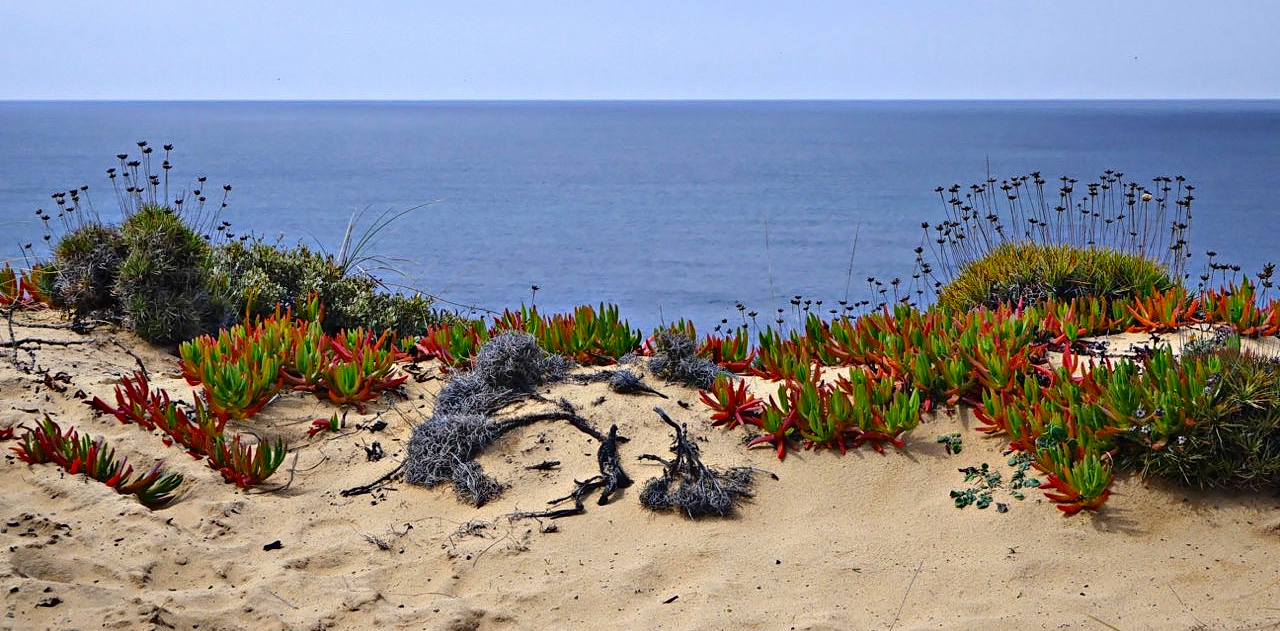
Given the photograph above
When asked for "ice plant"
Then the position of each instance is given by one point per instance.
(320, 425)
(777, 358)
(1237, 306)
(200, 432)
(731, 404)
(455, 344)
(361, 367)
(733, 352)
(1162, 312)
(83, 454)
(20, 288)
(588, 335)
(779, 421)
(1074, 481)
(239, 389)
(1070, 320)
(309, 357)
(245, 465)
(240, 369)
(882, 412)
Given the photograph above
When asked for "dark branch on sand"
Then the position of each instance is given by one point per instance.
(578, 422)
(39, 341)
(134, 355)
(609, 481)
(373, 486)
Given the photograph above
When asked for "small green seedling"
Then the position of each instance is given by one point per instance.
(1019, 480)
(951, 442)
(984, 481)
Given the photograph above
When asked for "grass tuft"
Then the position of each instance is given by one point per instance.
(1031, 273)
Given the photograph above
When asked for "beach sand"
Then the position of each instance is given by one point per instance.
(860, 541)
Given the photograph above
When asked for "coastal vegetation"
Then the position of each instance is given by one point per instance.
(173, 269)
(76, 453)
(999, 322)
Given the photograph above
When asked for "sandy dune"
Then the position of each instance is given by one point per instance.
(863, 541)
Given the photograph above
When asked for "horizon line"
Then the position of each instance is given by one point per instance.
(638, 100)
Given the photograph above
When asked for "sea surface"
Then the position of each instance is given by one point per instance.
(670, 209)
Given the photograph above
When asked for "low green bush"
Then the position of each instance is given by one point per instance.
(163, 283)
(87, 261)
(256, 276)
(1235, 442)
(166, 271)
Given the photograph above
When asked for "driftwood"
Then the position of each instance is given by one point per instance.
(622, 381)
(611, 478)
(578, 422)
(626, 382)
(43, 342)
(135, 357)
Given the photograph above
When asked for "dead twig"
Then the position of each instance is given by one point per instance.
(372, 486)
(1185, 608)
(12, 336)
(278, 597)
(377, 541)
(905, 594)
(293, 468)
(1103, 623)
(43, 342)
(135, 357)
(44, 325)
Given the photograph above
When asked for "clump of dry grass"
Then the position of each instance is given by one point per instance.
(691, 487)
(444, 447)
(676, 359)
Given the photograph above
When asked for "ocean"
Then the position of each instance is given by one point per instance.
(669, 209)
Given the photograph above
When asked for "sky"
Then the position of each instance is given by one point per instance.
(639, 49)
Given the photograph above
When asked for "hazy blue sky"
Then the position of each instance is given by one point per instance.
(602, 49)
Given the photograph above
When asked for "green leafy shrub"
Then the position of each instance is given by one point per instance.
(163, 283)
(170, 270)
(256, 276)
(1032, 273)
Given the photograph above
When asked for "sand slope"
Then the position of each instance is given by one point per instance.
(863, 541)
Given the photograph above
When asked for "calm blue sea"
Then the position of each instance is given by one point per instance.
(662, 207)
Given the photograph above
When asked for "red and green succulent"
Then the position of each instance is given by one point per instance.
(82, 453)
(199, 431)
